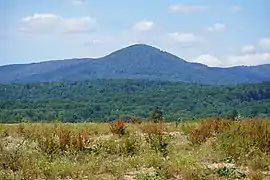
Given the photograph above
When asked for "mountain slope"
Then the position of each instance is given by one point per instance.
(134, 62)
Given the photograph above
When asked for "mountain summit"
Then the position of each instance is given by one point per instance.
(137, 61)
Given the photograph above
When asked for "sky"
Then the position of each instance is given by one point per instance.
(216, 33)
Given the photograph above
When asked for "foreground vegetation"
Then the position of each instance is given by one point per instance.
(110, 99)
(205, 149)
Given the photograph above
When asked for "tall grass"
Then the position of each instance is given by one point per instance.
(140, 150)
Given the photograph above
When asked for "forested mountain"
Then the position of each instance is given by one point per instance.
(134, 62)
(107, 99)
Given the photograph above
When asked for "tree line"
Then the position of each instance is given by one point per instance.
(106, 100)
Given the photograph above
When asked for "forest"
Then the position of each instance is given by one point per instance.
(107, 100)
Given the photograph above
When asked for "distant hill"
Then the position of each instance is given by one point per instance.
(100, 100)
(134, 62)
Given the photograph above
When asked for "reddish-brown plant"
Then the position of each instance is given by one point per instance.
(118, 127)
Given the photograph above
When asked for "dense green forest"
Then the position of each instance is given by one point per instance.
(104, 100)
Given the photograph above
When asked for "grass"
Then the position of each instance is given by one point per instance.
(206, 149)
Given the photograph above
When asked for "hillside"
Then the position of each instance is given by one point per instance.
(107, 99)
(134, 62)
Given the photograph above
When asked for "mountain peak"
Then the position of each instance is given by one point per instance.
(143, 47)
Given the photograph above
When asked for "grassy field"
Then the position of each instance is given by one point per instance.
(206, 149)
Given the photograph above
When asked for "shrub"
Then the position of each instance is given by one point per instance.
(205, 130)
(246, 139)
(77, 142)
(118, 127)
(230, 172)
(130, 145)
(156, 138)
(156, 115)
(108, 147)
(11, 160)
(233, 115)
(64, 138)
(48, 144)
(61, 138)
(3, 132)
(23, 131)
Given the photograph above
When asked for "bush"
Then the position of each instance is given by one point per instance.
(61, 138)
(156, 115)
(205, 130)
(131, 145)
(64, 138)
(156, 138)
(248, 139)
(229, 172)
(118, 127)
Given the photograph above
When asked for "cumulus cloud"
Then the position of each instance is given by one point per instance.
(247, 48)
(216, 27)
(235, 8)
(187, 8)
(183, 37)
(52, 23)
(208, 59)
(143, 25)
(251, 59)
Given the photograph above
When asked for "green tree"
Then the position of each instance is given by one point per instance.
(156, 115)
(234, 115)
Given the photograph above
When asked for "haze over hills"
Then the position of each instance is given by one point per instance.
(138, 61)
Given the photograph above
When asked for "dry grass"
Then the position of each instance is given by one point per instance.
(190, 150)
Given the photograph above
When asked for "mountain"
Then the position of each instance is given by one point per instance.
(138, 61)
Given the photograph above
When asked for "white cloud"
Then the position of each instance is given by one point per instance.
(143, 25)
(52, 23)
(77, 2)
(249, 59)
(182, 37)
(247, 48)
(208, 59)
(235, 8)
(187, 8)
(216, 27)
(264, 43)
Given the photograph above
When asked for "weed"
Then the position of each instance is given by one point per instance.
(248, 138)
(156, 138)
(205, 130)
(149, 176)
(131, 145)
(118, 127)
(255, 176)
(89, 151)
(230, 172)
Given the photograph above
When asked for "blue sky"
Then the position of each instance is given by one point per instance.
(216, 33)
